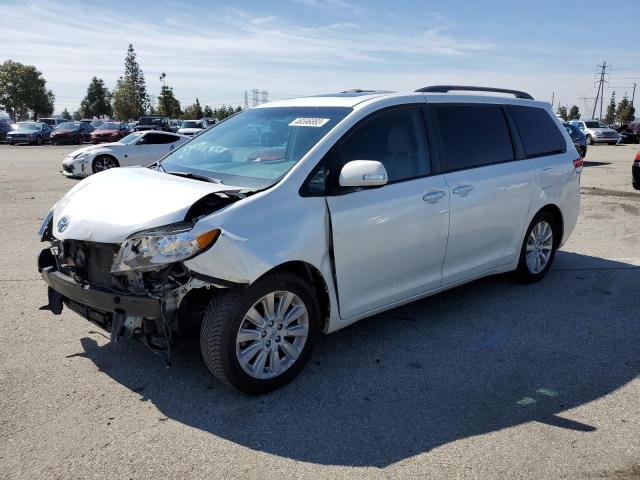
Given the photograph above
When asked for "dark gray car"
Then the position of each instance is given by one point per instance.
(579, 138)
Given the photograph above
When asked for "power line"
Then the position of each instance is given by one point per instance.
(601, 83)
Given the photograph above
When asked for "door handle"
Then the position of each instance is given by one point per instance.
(462, 189)
(433, 197)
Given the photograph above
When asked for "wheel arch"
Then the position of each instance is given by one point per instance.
(555, 211)
(316, 281)
(98, 155)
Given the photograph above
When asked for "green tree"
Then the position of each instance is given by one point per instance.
(625, 112)
(238, 109)
(76, 115)
(168, 104)
(208, 112)
(66, 115)
(562, 112)
(22, 88)
(130, 98)
(97, 101)
(193, 111)
(610, 117)
(574, 113)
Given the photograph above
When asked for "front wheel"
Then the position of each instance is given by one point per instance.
(589, 140)
(38, 140)
(538, 248)
(104, 162)
(258, 339)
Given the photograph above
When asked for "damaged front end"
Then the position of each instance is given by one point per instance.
(139, 289)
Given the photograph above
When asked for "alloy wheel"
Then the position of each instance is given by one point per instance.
(104, 163)
(539, 247)
(272, 335)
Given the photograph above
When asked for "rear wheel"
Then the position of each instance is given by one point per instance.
(538, 248)
(258, 339)
(104, 162)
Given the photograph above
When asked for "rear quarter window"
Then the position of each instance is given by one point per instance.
(539, 133)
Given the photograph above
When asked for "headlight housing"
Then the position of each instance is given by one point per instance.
(151, 249)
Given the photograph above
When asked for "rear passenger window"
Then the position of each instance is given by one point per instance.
(396, 138)
(539, 133)
(473, 135)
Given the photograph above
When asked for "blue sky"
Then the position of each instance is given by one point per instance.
(216, 50)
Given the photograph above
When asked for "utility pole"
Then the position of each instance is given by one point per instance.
(264, 96)
(254, 97)
(633, 95)
(246, 100)
(600, 94)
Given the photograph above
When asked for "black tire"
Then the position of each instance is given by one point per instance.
(223, 318)
(79, 140)
(522, 273)
(589, 140)
(38, 140)
(101, 160)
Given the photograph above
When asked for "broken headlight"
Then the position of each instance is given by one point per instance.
(152, 249)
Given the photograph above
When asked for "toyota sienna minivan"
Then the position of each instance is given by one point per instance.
(303, 216)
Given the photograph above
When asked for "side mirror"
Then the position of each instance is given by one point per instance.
(363, 173)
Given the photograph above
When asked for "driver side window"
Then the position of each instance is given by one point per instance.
(396, 138)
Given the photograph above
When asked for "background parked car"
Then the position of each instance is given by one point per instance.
(627, 135)
(635, 171)
(192, 128)
(153, 122)
(136, 149)
(29, 132)
(175, 125)
(596, 131)
(110, 132)
(53, 122)
(71, 132)
(5, 127)
(579, 139)
(95, 123)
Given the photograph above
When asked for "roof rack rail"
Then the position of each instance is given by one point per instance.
(448, 88)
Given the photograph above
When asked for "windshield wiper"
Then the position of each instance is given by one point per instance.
(195, 176)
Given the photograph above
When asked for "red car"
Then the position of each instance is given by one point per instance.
(110, 132)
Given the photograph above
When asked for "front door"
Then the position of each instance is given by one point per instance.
(389, 242)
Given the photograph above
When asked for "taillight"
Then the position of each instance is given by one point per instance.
(578, 163)
(638, 156)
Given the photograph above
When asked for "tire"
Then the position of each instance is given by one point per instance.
(612, 143)
(79, 140)
(38, 140)
(527, 272)
(582, 151)
(229, 312)
(589, 140)
(103, 162)
(54, 143)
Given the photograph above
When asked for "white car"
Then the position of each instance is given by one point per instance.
(136, 149)
(192, 127)
(303, 216)
(597, 132)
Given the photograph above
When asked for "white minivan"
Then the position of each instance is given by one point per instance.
(303, 216)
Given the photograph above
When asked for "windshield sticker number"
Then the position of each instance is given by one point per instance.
(309, 122)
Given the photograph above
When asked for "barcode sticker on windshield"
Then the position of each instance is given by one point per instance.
(309, 122)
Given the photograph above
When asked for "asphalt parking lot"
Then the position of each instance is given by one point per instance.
(489, 380)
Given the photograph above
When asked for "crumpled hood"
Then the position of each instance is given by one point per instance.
(110, 206)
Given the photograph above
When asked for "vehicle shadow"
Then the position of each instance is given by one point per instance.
(482, 357)
(588, 163)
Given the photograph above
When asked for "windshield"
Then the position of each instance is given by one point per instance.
(68, 126)
(192, 124)
(48, 121)
(108, 126)
(595, 125)
(255, 148)
(132, 137)
(28, 126)
(149, 121)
